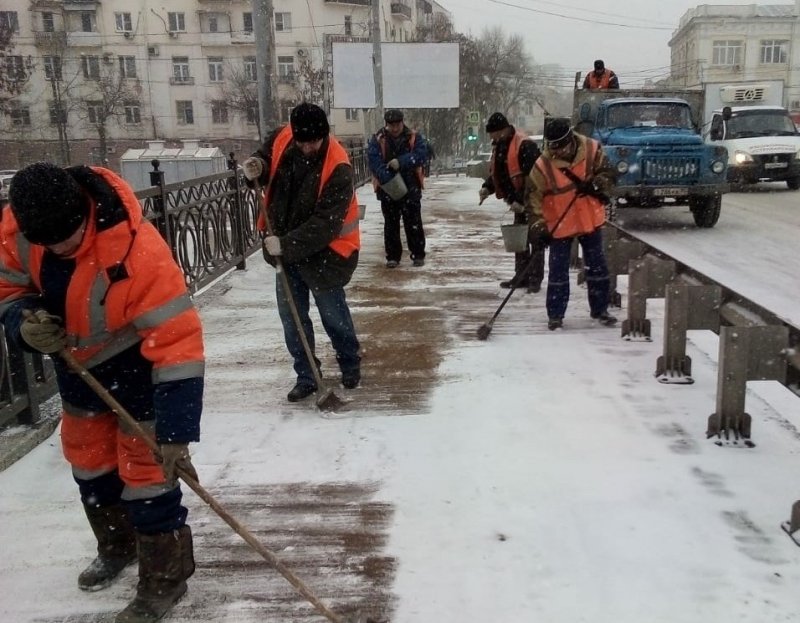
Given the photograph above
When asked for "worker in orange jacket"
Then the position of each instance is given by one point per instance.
(567, 202)
(313, 213)
(601, 77)
(82, 270)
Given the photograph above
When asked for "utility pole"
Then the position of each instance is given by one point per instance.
(265, 66)
(377, 63)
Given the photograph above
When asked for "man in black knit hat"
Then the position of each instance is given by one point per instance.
(313, 226)
(397, 150)
(513, 155)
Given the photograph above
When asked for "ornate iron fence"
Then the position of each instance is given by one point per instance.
(210, 225)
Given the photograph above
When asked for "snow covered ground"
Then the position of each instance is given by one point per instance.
(536, 476)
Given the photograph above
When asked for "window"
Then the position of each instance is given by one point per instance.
(213, 23)
(185, 112)
(180, 68)
(285, 68)
(250, 68)
(52, 67)
(133, 113)
(348, 25)
(219, 112)
(48, 22)
(58, 115)
(9, 21)
(774, 51)
(15, 68)
(283, 22)
(123, 22)
(94, 111)
(727, 53)
(177, 22)
(351, 114)
(247, 19)
(252, 114)
(127, 66)
(91, 67)
(215, 68)
(88, 21)
(20, 115)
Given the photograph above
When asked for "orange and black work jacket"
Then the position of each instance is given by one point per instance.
(411, 151)
(312, 207)
(125, 307)
(606, 80)
(553, 193)
(511, 162)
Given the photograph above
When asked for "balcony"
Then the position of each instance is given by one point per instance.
(287, 78)
(181, 81)
(215, 38)
(57, 39)
(401, 10)
(356, 2)
(85, 39)
(243, 37)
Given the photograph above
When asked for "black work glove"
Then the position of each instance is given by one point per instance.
(584, 188)
(539, 234)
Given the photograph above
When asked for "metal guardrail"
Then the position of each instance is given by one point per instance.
(210, 225)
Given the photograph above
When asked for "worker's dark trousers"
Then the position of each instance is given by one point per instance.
(409, 210)
(597, 282)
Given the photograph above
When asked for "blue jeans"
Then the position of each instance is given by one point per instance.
(597, 282)
(336, 320)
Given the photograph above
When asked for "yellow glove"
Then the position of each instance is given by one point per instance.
(43, 332)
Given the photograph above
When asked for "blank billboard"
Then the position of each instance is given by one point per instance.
(415, 75)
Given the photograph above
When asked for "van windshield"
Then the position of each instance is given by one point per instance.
(749, 123)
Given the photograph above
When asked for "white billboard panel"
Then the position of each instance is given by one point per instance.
(415, 75)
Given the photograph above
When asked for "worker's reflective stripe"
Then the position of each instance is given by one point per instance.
(14, 276)
(23, 251)
(119, 342)
(161, 314)
(179, 372)
(348, 228)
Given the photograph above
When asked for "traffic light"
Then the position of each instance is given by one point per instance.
(471, 136)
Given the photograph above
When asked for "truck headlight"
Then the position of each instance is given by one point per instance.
(717, 166)
(622, 167)
(740, 157)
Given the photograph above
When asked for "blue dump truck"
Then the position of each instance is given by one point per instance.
(652, 138)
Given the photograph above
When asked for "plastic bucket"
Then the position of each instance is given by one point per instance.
(395, 187)
(362, 211)
(515, 237)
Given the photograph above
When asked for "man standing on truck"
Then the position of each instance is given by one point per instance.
(513, 155)
(567, 202)
(601, 78)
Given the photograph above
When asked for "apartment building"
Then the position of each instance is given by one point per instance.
(96, 77)
(727, 43)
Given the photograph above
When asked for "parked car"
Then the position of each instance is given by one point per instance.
(479, 165)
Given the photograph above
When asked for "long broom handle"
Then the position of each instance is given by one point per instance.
(195, 486)
(288, 291)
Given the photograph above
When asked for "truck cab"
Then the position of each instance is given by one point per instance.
(762, 142)
(653, 141)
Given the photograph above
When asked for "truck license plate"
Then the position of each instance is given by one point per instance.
(776, 165)
(670, 192)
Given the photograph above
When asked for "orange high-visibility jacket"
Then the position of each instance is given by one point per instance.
(514, 169)
(349, 239)
(124, 299)
(586, 213)
(419, 172)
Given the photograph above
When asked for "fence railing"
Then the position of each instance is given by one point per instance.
(210, 225)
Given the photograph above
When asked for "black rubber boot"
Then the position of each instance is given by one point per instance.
(300, 391)
(116, 546)
(166, 561)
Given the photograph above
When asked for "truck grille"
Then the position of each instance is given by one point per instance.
(671, 169)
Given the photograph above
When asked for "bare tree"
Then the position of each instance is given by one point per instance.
(14, 68)
(240, 92)
(310, 82)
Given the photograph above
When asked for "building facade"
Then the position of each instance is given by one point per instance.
(748, 43)
(95, 77)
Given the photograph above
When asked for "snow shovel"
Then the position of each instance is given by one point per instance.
(326, 399)
(204, 495)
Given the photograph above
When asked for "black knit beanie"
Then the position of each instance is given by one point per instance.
(47, 202)
(309, 123)
(497, 122)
